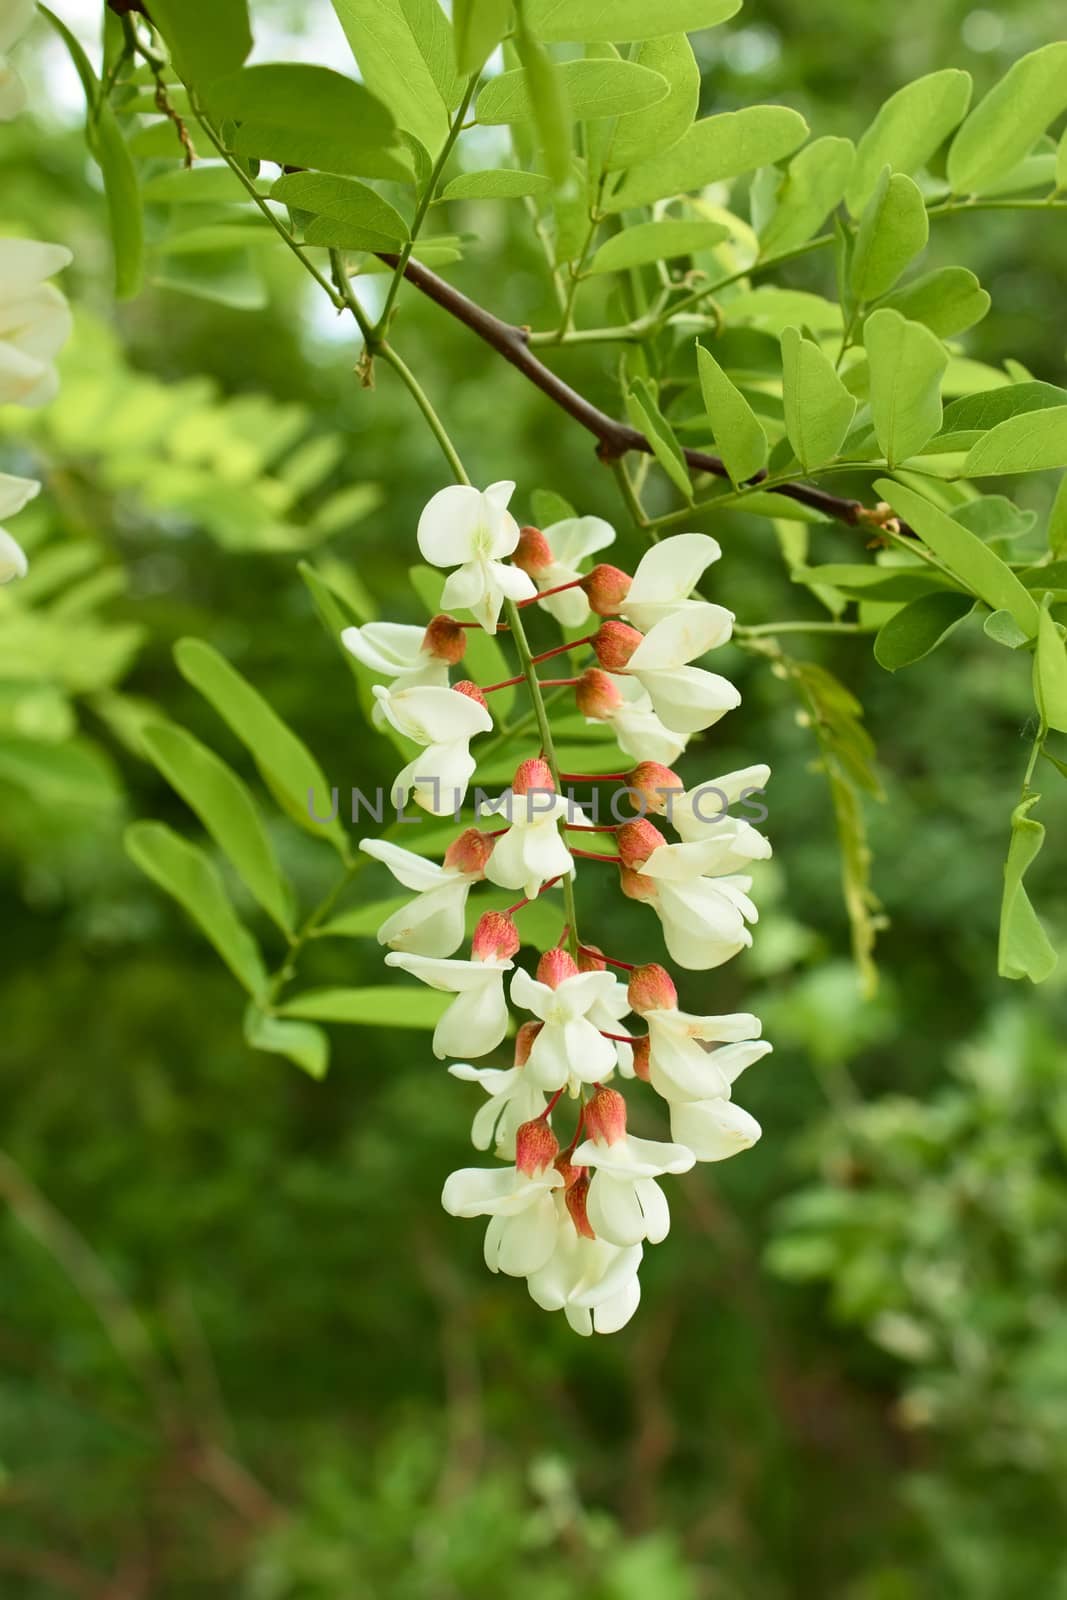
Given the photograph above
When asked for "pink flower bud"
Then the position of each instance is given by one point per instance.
(533, 553)
(651, 988)
(495, 938)
(575, 1197)
(635, 886)
(533, 775)
(555, 967)
(536, 1147)
(591, 959)
(642, 1049)
(469, 852)
(615, 643)
(637, 840)
(445, 639)
(472, 691)
(596, 695)
(655, 783)
(606, 588)
(524, 1041)
(605, 1116)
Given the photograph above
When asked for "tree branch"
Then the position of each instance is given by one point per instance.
(614, 438)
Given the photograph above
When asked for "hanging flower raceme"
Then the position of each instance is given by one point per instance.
(35, 320)
(572, 1220)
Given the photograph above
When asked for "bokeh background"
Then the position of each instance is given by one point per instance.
(243, 1353)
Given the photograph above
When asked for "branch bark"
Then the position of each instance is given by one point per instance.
(614, 438)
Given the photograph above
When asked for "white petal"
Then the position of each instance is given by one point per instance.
(611, 1315)
(24, 263)
(683, 637)
(511, 581)
(669, 572)
(478, 1191)
(449, 526)
(614, 1210)
(13, 563)
(526, 1241)
(475, 1023)
(654, 1207)
(432, 924)
(577, 537)
(15, 493)
(714, 1129)
(386, 647)
(689, 699)
(413, 871)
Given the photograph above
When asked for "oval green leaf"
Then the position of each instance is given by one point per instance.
(919, 627)
(712, 150)
(1016, 111)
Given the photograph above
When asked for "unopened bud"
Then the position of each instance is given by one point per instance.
(496, 938)
(472, 691)
(606, 588)
(536, 1147)
(591, 959)
(524, 1041)
(637, 840)
(469, 852)
(642, 1049)
(445, 639)
(605, 1116)
(596, 696)
(533, 775)
(615, 643)
(576, 1198)
(655, 784)
(635, 886)
(651, 988)
(555, 967)
(533, 553)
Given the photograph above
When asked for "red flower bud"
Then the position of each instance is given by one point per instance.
(651, 988)
(605, 1116)
(596, 696)
(606, 588)
(615, 643)
(533, 553)
(445, 639)
(472, 691)
(495, 937)
(635, 886)
(555, 967)
(533, 775)
(637, 840)
(524, 1041)
(575, 1197)
(591, 959)
(536, 1147)
(642, 1050)
(655, 784)
(469, 852)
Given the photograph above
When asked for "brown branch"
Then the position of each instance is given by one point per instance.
(614, 438)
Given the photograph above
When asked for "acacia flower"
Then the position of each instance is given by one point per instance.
(685, 698)
(444, 721)
(14, 494)
(513, 1100)
(703, 918)
(477, 1019)
(523, 1226)
(432, 923)
(569, 1049)
(594, 1283)
(402, 653)
(553, 556)
(625, 1204)
(533, 850)
(714, 1130)
(35, 320)
(473, 530)
(679, 1068)
(666, 576)
(703, 811)
(623, 703)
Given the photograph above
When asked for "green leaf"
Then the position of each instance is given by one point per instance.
(919, 627)
(1057, 521)
(1061, 161)
(384, 1007)
(348, 214)
(973, 562)
(301, 1042)
(818, 408)
(432, 32)
(712, 150)
(208, 183)
(288, 768)
(645, 414)
(551, 108)
(1016, 111)
(992, 516)
(301, 115)
(563, 21)
(497, 183)
(907, 365)
(206, 38)
(185, 872)
(1002, 628)
(983, 410)
(549, 507)
(1024, 950)
(479, 26)
(641, 134)
(909, 128)
(655, 241)
(947, 300)
(1050, 673)
(361, 922)
(397, 48)
(227, 810)
(814, 183)
(858, 582)
(600, 88)
(739, 435)
(1028, 443)
(893, 230)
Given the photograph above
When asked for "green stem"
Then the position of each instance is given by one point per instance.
(287, 971)
(769, 629)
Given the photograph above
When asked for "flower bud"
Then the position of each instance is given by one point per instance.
(524, 1041)
(637, 840)
(472, 691)
(596, 696)
(555, 967)
(635, 886)
(656, 784)
(606, 588)
(533, 775)
(651, 988)
(605, 1116)
(575, 1197)
(533, 553)
(469, 852)
(642, 1051)
(445, 639)
(591, 959)
(495, 938)
(536, 1147)
(615, 643)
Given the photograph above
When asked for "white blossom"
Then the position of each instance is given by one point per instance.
(513, 1099)
(521, 1235)
(666, 576)
(477, 1019)
(713, 1129)
(35, 320)
(571, 542)
(703, 918)
(702, 812)
(625, 1203)
(473, 530)
(14, 494)
(396, 650)
(569, 1049)
(533, 851)
(681, 1069)
(444, 721)
(433, 923)
(594, 1283)
(685, 698)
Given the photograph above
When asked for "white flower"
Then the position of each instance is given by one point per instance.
(680, 1069)
(444, 721)
(14, 494)
(703, 918)
(569, 1049)
(477, 1019)
(607, 1013)
(625, 1204)
(702, 812)
(593, 1282)
(570, 542)
(473, 530)
(533, 851)
(395, 650)
(35, 320)
(665, 577)
(713, 1129)
(621, 702)
(521, 1235)
(15, 18)
(433, 923)
(513, 1099)
(685, 698)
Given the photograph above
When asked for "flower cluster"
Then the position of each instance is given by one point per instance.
(572, 1219)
